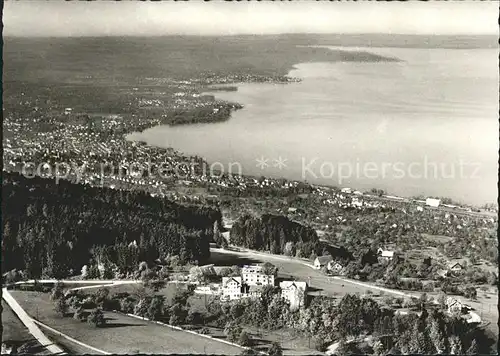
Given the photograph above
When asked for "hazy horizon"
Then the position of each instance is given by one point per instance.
(138, 19)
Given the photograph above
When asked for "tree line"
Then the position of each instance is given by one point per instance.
(53, 229)
(272, 233)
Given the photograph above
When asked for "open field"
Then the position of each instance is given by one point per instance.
(15, 333)
(123, 334)
(292, 344)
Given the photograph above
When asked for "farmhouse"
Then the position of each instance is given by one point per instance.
(456, 267)
(231, 288)
(322, 261)
(295, 293)
(334, 266)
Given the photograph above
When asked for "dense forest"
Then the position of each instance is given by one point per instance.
(53, 229)
(275, 234)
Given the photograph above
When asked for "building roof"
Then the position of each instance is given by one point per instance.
(385, 253)
(226, 280)
(323, 260)
(456, 264)
(293, 284)
(247, 267)
(336, 263)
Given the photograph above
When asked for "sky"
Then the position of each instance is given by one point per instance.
(29, 18)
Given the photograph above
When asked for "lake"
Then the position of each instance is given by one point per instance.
(426, 125)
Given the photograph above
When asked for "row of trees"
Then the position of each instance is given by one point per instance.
(272, 233)
(50, 229)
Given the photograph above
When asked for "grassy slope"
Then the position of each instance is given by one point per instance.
(15, 332)
(123, 334)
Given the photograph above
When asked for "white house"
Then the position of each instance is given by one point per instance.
(322, 261)
(346, 190)
(295, 293)
(334, 266)
(385, 254)
(432, 202)
(231, 288)
(252, 275)
(454, 305)
(455, 267)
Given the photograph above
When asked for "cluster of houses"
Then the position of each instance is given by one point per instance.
(335, 266)
(250, 284)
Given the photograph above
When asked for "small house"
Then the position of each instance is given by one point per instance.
(334, 266)
(385, 254)
(456, 267)
(322, 261)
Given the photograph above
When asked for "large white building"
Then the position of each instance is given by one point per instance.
(231, 288)
(432, 202)
(295, 293)
(253, 276)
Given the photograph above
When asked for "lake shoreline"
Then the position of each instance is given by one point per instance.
(258, 109)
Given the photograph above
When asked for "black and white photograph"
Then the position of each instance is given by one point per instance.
(250, 177)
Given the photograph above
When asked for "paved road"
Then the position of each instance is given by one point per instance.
(30, 324)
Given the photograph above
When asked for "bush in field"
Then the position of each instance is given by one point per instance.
(245, 339)
(101, 296)
(141, 308)
(204, 331)
(194, 318)
(96, 318)
(57, 291)
(470, 293)
(275, 350)
(80, 314)
(319, 344)
(177, 314)
(155, 309)
(232, 331)
(127, 305)
(61, 307)
(88, 302)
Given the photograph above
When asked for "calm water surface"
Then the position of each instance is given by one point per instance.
(426, 125)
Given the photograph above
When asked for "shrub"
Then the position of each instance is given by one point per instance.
(204, 331)
(319, 344)
(141, 308)
(61, 307)
(57, 291)
(155, 308)
(88, 303)
(245, 339)
(275, 350)
(80, 314)
(101, 296)
(127, 305)
(96, 318)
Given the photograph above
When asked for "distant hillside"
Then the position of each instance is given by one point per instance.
(124, 59)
